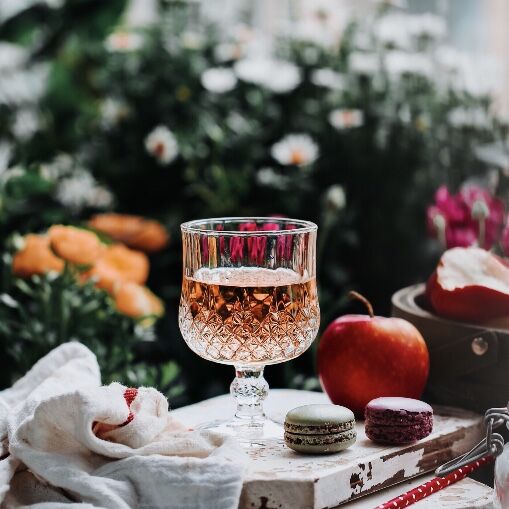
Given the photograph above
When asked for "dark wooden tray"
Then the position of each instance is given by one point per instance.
(469, 363)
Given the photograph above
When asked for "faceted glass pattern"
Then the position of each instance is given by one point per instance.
(249, 325)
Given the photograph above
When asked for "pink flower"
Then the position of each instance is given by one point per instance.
(237, 243)
(236, 248)
(284, 244)
(256, 246)
(250, 249)
(458, 219)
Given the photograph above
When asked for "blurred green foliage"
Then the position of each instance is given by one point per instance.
(43, 312)
(418, 129)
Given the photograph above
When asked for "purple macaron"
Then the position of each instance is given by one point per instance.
(398, 420)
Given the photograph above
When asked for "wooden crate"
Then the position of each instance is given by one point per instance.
(280, 478)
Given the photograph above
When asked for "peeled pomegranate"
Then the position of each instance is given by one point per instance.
(471, 285)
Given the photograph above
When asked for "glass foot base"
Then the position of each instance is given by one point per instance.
(249, 433)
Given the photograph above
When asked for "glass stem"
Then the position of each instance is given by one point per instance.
(249, 388)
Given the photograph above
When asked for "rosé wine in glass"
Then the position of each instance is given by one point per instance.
(248, 315)
(249, 299)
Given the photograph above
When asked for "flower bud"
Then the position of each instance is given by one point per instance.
(480, 210)
(335, 198)
(439, 222)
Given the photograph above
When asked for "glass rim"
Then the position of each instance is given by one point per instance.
(303, 226)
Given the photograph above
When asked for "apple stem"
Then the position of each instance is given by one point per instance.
(358, 296)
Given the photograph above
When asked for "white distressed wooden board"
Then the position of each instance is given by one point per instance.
(280, 478)
(466, 494)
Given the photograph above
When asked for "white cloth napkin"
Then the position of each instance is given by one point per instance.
(68, 442)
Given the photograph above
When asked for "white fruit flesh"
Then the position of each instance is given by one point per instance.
(460, 267)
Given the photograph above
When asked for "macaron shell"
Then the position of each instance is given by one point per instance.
(320, 444)
(319, 415)
(398, 403)
(397, 434)
(390, 418)
(394, 420)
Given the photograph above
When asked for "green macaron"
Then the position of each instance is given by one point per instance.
(320, 429)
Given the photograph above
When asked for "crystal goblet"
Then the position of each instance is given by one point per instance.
(249, 299)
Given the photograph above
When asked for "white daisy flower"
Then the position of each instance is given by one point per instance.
(11, 173)
(218, 80)
(361, 62)
(284, 77)
(124, 41)
(448, 57)
(362, 40)
(62, 165)
(162, 144)
(141, 13)
(252, 70)
(465, 117)
(26, 124)
(278, 76)
(494, 154)
(346, 119)
(478, 76)
(328, 78)
(23, 86)
(320, 22)
(313, 32)
(401, 28)
(402, 62)
(12, 55)
(113, 111)
(295, 149)
(393, 29)
(335, 197)
(429, 25)
(81, 190)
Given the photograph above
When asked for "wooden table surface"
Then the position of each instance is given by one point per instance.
(280, 478)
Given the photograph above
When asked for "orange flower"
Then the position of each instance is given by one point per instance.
(152, 237)
(119, 264)
(137, 301)
(75, 245)
(35, 257)
(134, 231)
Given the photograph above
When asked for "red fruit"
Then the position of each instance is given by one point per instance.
(365, 357)
(470, 284)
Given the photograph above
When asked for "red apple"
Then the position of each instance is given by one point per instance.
(470, 284)
(364, 357)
